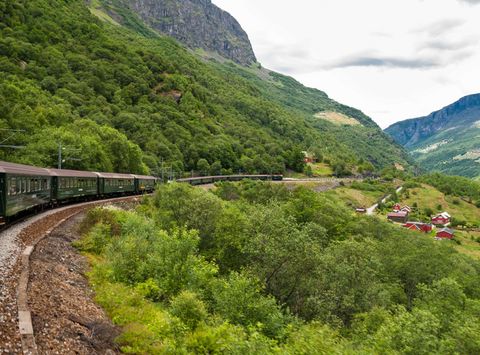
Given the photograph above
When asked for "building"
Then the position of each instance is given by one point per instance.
(397, 207)
(308, 157)
(361, 210)
(399, 217)
(441, 219)
(445, 233)
(419, 226)
(406, 209)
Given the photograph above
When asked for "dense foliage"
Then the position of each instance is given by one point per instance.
(121, 98)
(454, 185)
(257, 268)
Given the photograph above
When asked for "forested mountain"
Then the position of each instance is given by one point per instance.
(447, 140)
(119, 96)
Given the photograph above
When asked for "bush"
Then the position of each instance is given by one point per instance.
(428, 211)
(189, 309)
(96, 240)
(239, 300)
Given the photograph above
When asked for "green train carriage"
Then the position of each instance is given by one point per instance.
(23, 188)
(144, 184)
(73, 185)
(115, 184)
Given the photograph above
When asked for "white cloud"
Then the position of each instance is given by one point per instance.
(393, 60)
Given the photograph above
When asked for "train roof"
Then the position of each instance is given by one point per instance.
(20, 169)
(145, 177)
(115, 176)
(72, 173)
(223, 176)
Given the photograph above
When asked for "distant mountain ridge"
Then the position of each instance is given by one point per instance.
(195, 23)
(447, 140)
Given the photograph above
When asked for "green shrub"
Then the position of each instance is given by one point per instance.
(239, 300)
(98, 237)
(189, 309)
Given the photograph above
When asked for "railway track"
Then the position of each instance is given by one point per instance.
(16, 243)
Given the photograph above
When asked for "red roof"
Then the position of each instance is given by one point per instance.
(398, 214)
(72, 173)
(144, 177)
(115, 176)
(20, 169)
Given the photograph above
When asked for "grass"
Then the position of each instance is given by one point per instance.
(97, 10)
(468, 246)
(357, 198)
(321, 169)
(429, 197)
(337, 118)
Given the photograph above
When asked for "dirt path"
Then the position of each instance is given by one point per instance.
(65, 317)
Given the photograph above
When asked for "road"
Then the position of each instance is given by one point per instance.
(371, 210)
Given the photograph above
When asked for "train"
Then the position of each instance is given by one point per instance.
(25, 188)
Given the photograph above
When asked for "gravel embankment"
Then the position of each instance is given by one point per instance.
(12, 242)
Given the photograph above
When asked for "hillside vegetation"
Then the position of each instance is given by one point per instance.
(446, 140)
(254, 268)
(123, 98)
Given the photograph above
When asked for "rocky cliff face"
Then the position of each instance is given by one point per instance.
(412, 132)
(197, 24)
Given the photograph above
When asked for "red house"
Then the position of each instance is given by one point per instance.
(441, 219)
(445, 233)
(400, 217)
(419, 226)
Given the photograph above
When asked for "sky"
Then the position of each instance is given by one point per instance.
(391, 59)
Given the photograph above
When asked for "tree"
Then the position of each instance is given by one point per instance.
(203, 167)
(216, 168)
(308, 171)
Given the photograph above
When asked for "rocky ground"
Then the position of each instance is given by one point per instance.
(65, 317)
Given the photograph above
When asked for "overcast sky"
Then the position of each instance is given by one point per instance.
(392, 59)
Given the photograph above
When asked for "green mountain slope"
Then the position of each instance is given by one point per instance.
(447, 140)
(123, 98)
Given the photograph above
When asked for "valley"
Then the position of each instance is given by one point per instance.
(310, 230)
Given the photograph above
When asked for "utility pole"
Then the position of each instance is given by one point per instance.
(59, 155)
(61, 160)
(162, 172)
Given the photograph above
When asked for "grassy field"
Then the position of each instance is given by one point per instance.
(337, 118)
(429, 197)
(357, 198)
(469, 244)
(321, 169)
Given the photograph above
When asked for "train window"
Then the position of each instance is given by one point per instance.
(18, 183)
(11, 189)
